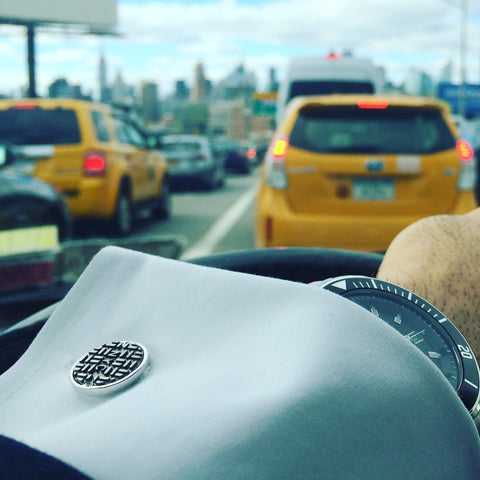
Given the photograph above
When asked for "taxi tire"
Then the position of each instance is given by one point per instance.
(163, 208)
(123, 219)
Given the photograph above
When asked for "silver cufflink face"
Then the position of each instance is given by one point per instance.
(109, 368)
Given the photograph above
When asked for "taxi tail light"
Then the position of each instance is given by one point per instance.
(94, 164)
(467, 176)
(275, 164)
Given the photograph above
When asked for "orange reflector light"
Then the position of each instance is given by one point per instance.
(279, 148)
(374, 104)
(464, 150)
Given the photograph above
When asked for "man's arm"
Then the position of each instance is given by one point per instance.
(438, 258)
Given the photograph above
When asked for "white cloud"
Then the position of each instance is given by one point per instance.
(162, 40)
(372, 28)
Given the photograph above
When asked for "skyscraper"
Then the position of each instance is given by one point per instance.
(104, 91)
(199, 90)
(150, 103)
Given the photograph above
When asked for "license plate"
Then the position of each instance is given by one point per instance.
(373, 189)
(28, 240)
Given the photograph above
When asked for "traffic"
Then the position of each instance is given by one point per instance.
(241, 284)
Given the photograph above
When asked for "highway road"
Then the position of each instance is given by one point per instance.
(210, 222)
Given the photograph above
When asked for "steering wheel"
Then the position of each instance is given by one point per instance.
(304, 265)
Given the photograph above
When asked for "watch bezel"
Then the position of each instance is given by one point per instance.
(469, 385)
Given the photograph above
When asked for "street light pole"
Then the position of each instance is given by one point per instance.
(32, 86)
(462, 91)
(462, 101)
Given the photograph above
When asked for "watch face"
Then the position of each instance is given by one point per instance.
(416, 325)
(422, 324)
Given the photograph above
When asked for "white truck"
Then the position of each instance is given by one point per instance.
(331, 74)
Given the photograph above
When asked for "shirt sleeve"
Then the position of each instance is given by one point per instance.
(19, 461)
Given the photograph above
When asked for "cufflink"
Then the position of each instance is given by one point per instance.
(109, 368)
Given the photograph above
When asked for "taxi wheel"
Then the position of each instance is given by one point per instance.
(163, 209)
(123, 220)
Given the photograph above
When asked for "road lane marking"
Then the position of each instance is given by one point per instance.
(217, 232)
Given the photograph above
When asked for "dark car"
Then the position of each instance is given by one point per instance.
(234, 155)
(28, 202)
(34, 218)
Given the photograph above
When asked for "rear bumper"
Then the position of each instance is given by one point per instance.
(91, 200)
(178, 177)
(277, 225)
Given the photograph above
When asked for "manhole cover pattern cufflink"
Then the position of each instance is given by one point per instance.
(109, 368)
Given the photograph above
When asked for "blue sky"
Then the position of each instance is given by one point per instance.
(162, 41)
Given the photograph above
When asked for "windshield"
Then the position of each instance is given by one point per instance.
(160, 119)
(354, 130)
(180, 146)
(324, 87)
(38, 126)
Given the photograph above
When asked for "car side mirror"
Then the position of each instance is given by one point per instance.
(6, 156)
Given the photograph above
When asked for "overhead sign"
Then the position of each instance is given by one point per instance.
(455, 95)
(265, 104)
(90, 13)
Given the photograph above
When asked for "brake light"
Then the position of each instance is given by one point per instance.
(373, 104)
(279, 148)
(467, 175)
(333, 56)
(464, 150)
(275, 164)
(94, 164)
(25, 106)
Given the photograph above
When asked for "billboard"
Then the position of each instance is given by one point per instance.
(83, 12)
(450, 93)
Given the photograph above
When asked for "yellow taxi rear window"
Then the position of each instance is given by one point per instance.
(38, 126)
(391, 130)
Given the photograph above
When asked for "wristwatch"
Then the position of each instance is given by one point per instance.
(421, 323)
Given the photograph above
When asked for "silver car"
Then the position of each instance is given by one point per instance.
(191, 162)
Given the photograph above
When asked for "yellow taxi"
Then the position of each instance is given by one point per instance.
(351, 171)
(97, 159)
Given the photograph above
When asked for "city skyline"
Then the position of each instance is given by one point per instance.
(161, 41)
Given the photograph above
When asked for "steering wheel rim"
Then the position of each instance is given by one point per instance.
(298, 264)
